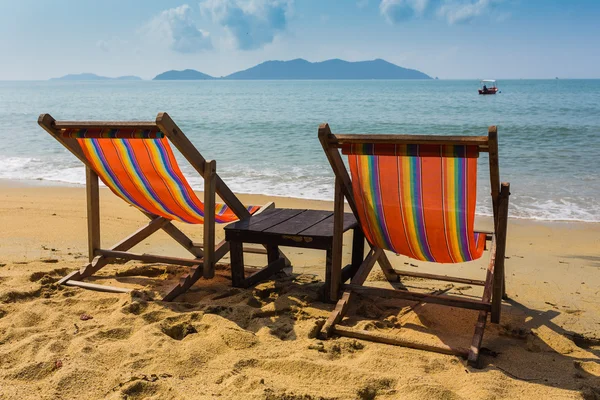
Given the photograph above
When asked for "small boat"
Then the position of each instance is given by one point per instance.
(488, 86)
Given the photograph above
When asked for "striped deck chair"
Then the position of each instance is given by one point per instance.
(135, 161)
(415, 196)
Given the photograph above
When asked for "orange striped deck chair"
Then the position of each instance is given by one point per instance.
(415, 195)
(136, 162)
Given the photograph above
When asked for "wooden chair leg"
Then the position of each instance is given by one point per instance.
(185, 282)
(93, 211)
(390, 274)
(327, 290)
(208, 269)
(341, 307)
(335, 255)
(473, 356)
(498, 289)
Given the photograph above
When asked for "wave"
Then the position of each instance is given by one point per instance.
(305, 183)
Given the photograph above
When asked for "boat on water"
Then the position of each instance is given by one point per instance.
(488, 86)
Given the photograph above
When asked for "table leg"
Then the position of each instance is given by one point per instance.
(328, 269)
(236, 254)
(272, 253)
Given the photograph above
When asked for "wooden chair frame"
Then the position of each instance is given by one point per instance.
(206, 255)
(493, 285)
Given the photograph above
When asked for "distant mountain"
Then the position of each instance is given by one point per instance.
(329, 69)
(94, 77)
(187, 75)
(127, 78)
(293, 69)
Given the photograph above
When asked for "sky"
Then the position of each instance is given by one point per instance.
(450, 39)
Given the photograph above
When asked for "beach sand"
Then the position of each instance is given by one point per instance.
(259, 343)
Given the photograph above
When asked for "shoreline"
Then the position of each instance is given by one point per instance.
(41, 183)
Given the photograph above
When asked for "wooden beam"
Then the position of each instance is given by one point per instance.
(337, 241)
(49, 124)
(141, 234)
(100, 261)
(387, 269)
(363, 271)
(179, 237)
(189, 151)
(473, 357)
(100, 288)
(341, 307)
(413, 308)
(494, 171)
(394, 340)
(194, 274)
(498, 291)
(210, 174)
(93, 211)
(338, 166)
(453, 301)
(185, 282)
(221, 249)
(253, 250)
(340, 139)
(271, 269)
(149, 125)
(149, 258)
(444, 278)
(268, 206)
(73, 275)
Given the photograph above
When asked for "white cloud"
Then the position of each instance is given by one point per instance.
(456, 12)
(176, 29)
(399, 10)
(102, 45)
(252, 23)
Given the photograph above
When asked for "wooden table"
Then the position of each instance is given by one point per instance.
(276, 227)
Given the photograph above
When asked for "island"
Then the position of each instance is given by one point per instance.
(86, 76)
(185, 75)
(298, 69)
(302, 69)
(329, 69)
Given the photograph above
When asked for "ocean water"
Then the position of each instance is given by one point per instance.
(263, 134)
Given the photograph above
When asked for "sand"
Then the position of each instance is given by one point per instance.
(217, 341)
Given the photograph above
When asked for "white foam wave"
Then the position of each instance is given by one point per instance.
(29, 168)
(303, 182)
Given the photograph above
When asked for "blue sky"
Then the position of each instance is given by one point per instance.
(447, 38)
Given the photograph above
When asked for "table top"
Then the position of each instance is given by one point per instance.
(296, 222)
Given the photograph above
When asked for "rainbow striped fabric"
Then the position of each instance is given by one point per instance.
(417, 200)
(145, 174)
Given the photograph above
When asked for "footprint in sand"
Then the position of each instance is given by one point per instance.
(112, 334)
(55, 274)
(139, 389)
(179, 327)
(14, 296)
(35, 371)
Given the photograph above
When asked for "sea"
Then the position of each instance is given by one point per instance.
(263, 134)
